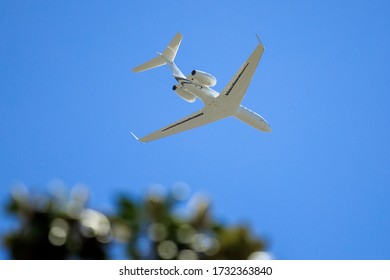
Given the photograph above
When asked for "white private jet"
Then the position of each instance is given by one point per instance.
(199, 85)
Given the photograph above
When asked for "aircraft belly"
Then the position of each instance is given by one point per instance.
(203, 93)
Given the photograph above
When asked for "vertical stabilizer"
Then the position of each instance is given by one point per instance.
(171, 50)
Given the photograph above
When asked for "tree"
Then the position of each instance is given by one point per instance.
(159, 226)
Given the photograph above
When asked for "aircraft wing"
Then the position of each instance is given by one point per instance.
(234, 91)
(196, 119)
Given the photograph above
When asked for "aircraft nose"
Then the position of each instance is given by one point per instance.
(265, 127)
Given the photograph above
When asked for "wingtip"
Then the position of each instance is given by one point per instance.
(136, 138)
(259, 40)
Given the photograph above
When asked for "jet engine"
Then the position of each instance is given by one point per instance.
(187, 96)
(203, 78)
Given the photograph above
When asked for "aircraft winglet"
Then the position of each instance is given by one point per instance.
(258, 39)
(136, 138)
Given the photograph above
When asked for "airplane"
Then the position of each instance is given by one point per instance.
(198, 84)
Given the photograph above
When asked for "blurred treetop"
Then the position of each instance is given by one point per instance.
(162, 225)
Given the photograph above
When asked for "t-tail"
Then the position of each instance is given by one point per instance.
(167, 57)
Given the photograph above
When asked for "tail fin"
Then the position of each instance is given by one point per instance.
(168, 56)
(171, 50)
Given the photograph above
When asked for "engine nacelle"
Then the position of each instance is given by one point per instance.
(187, 96)
(203, 78)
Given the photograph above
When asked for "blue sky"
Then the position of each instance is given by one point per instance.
(317, 187)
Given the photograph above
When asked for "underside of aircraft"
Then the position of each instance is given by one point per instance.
(198, 84)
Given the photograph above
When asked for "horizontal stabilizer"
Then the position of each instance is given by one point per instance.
(168, 56)
(153, 63)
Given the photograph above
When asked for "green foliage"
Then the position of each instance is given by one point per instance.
(159, 226)
(53, 227)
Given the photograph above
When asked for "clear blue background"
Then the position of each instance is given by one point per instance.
(317, 187)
